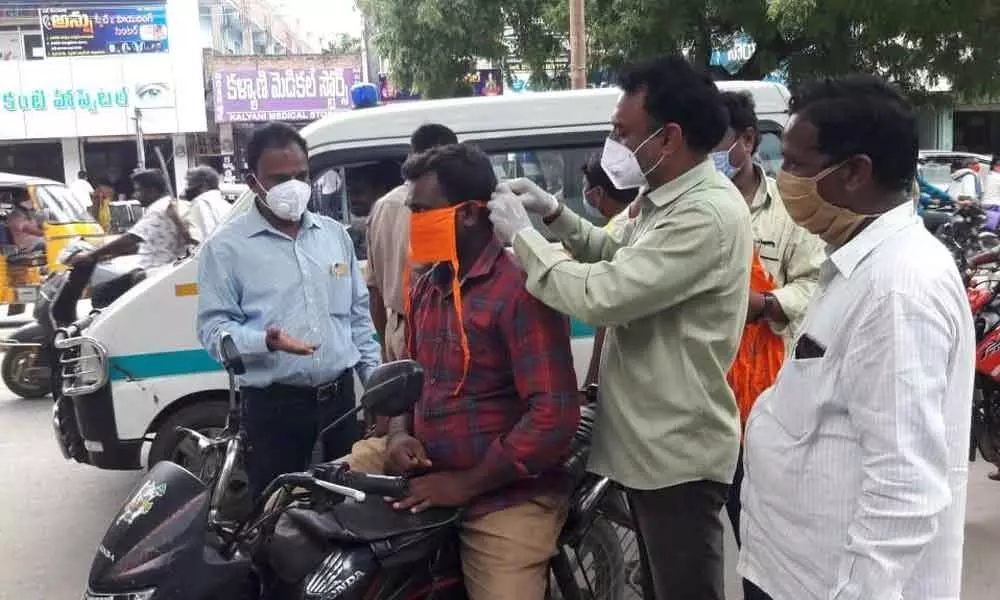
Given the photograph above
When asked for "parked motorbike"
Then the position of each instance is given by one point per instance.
(26, 368)
(962, 230)
(326, 533)
(984, 300)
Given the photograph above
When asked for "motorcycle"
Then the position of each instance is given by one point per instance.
(26, 368)
(984, 300)
(962, 229)
(327, 533)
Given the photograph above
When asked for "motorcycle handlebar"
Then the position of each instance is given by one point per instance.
(380, 485)
(983, 258)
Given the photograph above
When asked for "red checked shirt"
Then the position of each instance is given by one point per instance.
(519, 406)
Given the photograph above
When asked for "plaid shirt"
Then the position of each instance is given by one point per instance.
(519, 405)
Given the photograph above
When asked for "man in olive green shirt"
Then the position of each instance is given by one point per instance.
(673, 293)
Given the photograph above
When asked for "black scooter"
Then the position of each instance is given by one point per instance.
(327, 533)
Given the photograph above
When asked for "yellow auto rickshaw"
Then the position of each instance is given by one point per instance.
(29, 206)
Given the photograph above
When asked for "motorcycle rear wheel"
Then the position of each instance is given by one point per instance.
(21, 373)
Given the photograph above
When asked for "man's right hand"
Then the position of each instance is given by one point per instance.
(405, 454)
(279, 341)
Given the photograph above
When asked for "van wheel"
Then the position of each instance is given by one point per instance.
(207, 418)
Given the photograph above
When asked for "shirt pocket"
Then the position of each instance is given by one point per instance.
(340, 288)
(800, 389)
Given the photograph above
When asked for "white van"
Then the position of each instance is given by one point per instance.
(145, 371)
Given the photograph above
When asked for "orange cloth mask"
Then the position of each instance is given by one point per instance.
(434, 239)
(760, 353)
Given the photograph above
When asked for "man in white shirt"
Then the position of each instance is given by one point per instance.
(159, 238)
(965, 185)
(82, 190)
(208, 208)
(856, 460)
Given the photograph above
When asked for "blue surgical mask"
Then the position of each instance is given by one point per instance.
(724, 165)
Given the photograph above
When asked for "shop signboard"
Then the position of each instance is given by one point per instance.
(92, 96)
(258, 93)
(97, 31)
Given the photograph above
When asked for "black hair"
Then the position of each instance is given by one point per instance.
(742, 112)
(105, 181)
(597, 177)
(384, 174)
(275, 136)
(463, 171)
(82, 175)
(204, 176)
(995, 161)
(429, 135)
(152, 179)
(676, 93)
(862, 114)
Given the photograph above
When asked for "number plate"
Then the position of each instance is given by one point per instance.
(27, 295)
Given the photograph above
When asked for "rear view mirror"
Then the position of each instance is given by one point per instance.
(232, 360)
(394, 388)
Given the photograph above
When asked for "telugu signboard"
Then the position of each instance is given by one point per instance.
(102, 31)
(257, 93)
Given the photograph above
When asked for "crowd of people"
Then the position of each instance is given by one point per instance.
(797, 350)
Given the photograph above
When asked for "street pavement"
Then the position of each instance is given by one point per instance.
(54, 512)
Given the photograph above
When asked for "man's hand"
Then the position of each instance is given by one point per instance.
(534, 198)
(81, 259)
(405, 454)
(757, 306)
(445, 489)
(279, 341)
(508, 214)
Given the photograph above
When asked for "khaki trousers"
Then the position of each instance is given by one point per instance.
(395, 336)
(505, 554)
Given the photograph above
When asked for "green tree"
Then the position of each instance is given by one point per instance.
(344, 44)
(432, 44)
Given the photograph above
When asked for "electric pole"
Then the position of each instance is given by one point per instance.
(577, 44)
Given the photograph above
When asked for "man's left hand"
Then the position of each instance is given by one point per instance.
(445, 489)
(508, 214)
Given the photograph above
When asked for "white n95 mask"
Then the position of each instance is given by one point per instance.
(288, 200)
(622, 166)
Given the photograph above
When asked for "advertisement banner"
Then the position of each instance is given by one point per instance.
(487, 82)
(256, 93)
(102, 31)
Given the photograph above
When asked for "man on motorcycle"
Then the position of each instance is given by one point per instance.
(500, 403)
(208, 209)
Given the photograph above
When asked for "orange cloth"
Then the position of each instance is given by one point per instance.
(760, 353)
(433, 239)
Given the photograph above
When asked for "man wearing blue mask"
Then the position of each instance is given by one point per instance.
(788, 254)
(672, 291)
(286, 285)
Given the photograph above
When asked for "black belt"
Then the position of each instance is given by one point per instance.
(321, 392)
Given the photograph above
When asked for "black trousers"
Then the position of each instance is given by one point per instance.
(681, 540)
(752, 592)
(281, 424)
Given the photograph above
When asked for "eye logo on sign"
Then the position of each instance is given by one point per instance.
(154, 94)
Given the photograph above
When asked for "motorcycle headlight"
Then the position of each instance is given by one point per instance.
(140, 595)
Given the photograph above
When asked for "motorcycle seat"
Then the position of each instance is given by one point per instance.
(370, 521)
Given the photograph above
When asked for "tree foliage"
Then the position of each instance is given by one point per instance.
(344, 44)
(433, 44)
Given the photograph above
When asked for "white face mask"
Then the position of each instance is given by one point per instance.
(288, 200)
(622, 166)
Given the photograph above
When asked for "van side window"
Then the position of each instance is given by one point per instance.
(348, 193)
(557, 171)
(769, 151)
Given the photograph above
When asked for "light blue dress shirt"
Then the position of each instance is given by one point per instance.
(251, 277)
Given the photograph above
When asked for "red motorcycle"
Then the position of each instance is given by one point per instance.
(984, 300)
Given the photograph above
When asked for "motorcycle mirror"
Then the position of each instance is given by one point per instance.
(232, 361)
(393, 388)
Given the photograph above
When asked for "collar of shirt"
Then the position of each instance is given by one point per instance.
(849, 256)
(483, 266)
(767, 190)
(674, 189)
(257, 224)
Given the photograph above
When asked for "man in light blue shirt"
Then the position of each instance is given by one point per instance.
(286, 285)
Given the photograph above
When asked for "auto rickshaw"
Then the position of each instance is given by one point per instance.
(62, 218)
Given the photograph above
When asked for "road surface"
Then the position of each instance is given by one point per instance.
(53, 513)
